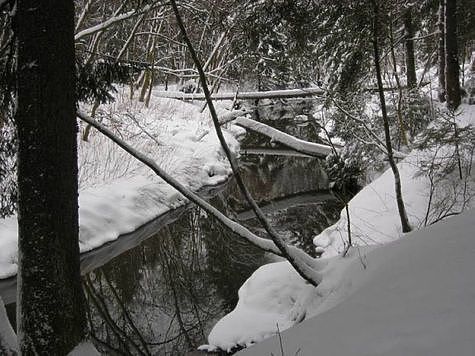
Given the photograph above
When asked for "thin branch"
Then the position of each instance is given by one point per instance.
(83, 15)
(378, 142)
(435, 33)
(113, 20)
(130, 38)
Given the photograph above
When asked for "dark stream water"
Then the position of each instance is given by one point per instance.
(163, 296)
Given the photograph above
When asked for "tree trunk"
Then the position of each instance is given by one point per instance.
(410, 58)
(452, 83)
(441, 51)
(51, 309)
(406, 227)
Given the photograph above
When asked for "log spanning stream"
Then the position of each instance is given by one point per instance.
(160, 289)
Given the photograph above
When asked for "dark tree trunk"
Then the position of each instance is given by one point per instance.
(410, 57)
(51, 309)
(406, 227)
(441, 51)
(452, 83)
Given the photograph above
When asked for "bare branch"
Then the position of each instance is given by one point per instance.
(113, 20)
(303, 270)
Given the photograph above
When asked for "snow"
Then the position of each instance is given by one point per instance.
(373, 211)
(415, 297)
(84, 349)
(263, 295)
(117, 194)
(405, 294)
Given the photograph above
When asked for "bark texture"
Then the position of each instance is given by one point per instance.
(441, 51)
(410, 57)
(452, 83)
(51, 309)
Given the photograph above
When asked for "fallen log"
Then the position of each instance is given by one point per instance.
(302, 146)
(271, 94)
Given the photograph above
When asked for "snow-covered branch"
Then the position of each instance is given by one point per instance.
(113, 20)
(302, 146)
(130, 38)
(307, 263)
(82, 16)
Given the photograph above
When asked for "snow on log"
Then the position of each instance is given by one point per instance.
(271, 94)
(302, 146)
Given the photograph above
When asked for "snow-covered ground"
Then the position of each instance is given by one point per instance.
(415, 296)
(117, 194)
(373, 211)
(276, 297)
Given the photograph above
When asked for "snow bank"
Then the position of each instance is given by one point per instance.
(276, 296)
(117, 194)
(85, 348)
(415, 297)
(373, 211)
(264, 303)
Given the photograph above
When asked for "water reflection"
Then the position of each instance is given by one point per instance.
(163, 296)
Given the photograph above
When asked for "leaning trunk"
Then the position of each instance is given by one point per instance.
(406, 227)
(51, 308)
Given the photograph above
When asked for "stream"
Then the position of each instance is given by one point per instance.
(160, 290)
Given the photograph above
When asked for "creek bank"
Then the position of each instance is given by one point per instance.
(117, 194)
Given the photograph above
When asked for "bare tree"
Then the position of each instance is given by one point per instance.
(406, 227)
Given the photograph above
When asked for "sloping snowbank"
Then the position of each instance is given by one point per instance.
(264, 301)
(373, 211)
(415, 297)
(118, 194)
